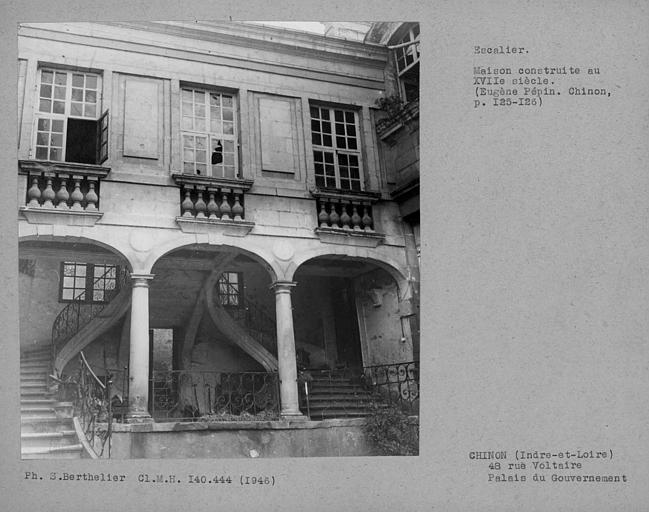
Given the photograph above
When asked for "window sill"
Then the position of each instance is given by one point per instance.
(346, 195)
(192, 225)
(209, 181)
(42, 166)
(342, 236)
(60, 216)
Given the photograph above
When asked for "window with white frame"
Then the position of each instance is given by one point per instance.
(209, 133)
(230, 289)
(336, 148)
(69, 127)
(407, 57)
(87, 282)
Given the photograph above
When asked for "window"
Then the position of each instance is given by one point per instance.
(229, 289)
(87, 282)
(407, 57)
(68, 125)
(336, 150)
(209, 133)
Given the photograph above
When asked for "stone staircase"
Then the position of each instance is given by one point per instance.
(47, 429)
(336, 395)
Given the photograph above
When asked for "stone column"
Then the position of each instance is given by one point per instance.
(287, 366)
(138, 391)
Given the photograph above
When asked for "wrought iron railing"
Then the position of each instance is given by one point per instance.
(78, 313)
(252, 317)
(93, 408)
(214, 396)
(397, 384)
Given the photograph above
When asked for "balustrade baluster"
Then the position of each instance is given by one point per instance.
(91, 197)
(345, 219)
(212, 207)
(367, 220)
(200, 205)
(356, 219)
(62, 195)
(334, 218)
(34, 193)
(48, 193)
(225, 206)
(77, 195)
(187, 205)
(237, 209)
(323, 216)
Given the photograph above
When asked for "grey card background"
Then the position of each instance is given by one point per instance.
(535, 273)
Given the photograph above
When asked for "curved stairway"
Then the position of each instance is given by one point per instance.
(47, 429)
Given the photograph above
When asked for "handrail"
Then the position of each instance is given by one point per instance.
(255, 320)
(92, 405)
(68, 322)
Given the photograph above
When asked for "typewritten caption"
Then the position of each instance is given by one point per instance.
(503, 77)
(578, 467)
(150, 478)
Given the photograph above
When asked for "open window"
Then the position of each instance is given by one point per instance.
(69, 127)
(406, 48)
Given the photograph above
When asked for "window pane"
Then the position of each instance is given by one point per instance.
(338, 116)
(57, 140)
(349, 117)
(227, 114)
(228, 146)
(43, 125)
(56, 154)
(90, 111)
(77, 94)
(227, 101)
(59, 93)
(316, 139)
(186, 96)
(41, 139)
(46, 91)
(340, 142)
(45, 106)
(60, 78)
(46, 77)
(200, 124)
(59, 107)
(187, 123)
(98, 295)
(41, 153)
(91, 96)
(351, 143)
(326, 140)
(315, 112)
(76, 109)
(228, 128)
(201, 169)
(57, 125)
(68, 294)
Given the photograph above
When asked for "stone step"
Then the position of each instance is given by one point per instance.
(25, 372)
(60, 452)
(45, 424)
(327, 397)
(47, 440)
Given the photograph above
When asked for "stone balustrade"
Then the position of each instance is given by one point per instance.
(345, 214)
(212, 203)
(347, 217)
(54, 188)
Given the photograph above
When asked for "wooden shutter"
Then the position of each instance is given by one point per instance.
(102, 138)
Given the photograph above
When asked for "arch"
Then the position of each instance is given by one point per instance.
(76, 239)
(397, 271)
(259, 255)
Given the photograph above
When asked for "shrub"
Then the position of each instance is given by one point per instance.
(391, 432)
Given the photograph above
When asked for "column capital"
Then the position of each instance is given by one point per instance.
(141, 280)
(282, 286)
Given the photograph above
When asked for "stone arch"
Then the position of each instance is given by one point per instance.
(397, 271)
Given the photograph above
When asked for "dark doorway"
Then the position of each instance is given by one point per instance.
(347, 337)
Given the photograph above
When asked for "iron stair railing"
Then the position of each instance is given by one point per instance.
(78, 313)
(254, 319)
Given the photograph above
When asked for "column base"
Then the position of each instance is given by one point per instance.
(138, 417)
(293, 416)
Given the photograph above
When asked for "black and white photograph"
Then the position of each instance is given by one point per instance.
(218, 239)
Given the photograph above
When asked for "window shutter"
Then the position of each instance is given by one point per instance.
(102, 138)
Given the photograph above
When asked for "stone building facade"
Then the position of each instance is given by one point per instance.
(210, 199)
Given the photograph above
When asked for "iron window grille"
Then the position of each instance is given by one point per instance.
(68, 124)
(87, 282)
(230, 289)
(209, 133)
(336, 148)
